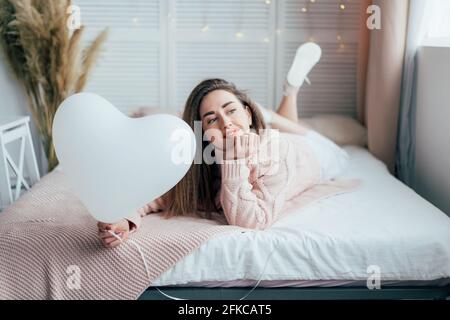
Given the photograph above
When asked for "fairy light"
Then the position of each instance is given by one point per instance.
(306, 9)
(239, 34)
(266, 40)
(205, 10)
(340, 38)
(267, 2)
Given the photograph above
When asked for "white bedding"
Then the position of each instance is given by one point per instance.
(383, 224)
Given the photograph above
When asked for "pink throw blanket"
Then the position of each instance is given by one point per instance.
(49, 247)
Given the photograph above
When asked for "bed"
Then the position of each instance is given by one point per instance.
(334, 248)
(382, 234)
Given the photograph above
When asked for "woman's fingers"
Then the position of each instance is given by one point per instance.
(103, 226)
(243, 146)
(114, 243)
(238, 147)
(107, 234)
(104, 234)
(111, 241)
(253, 144)
(107, 242)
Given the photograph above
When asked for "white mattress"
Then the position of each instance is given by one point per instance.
(383, 224)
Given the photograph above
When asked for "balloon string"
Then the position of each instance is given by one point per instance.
(139, 249)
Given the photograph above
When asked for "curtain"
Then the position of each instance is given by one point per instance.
(419, 22)
(363, 56)
(384, 78)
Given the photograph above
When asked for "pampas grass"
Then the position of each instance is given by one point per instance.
(46, 57)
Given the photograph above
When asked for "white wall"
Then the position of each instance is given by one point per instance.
(432, 171)
(13, 102)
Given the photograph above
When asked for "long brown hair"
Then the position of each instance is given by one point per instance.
(196, 192)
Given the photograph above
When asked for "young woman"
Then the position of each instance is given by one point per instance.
(256, 171)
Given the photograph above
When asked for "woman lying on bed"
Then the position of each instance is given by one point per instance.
(256, 171)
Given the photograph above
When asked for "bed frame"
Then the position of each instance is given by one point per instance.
(308, 293)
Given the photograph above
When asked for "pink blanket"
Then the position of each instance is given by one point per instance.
(49, 247)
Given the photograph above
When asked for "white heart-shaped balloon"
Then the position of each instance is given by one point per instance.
(116, 164)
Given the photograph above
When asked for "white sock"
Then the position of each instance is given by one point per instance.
(289, 90)
(306, 57)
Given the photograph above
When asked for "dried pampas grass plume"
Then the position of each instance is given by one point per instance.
(46, 57)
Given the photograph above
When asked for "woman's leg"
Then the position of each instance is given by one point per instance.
(286, 125)
(286, 119)
(282, 123)
(288, 106)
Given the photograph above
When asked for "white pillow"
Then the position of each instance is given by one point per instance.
(340, 129)
(332, 158)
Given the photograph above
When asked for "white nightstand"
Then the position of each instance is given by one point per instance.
(13, 129)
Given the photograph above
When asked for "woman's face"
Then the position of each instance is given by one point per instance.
(223, 115)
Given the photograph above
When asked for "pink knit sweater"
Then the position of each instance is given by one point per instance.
(254, 191)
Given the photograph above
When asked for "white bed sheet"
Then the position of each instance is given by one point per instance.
(383, 224)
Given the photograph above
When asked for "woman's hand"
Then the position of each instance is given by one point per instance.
(238, 147)
(121, 229)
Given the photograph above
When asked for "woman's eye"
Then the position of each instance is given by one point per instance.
(211, 121)
(232, 110)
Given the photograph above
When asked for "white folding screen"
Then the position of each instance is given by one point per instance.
(159, 50)
(130, 68)
(334, 25)
(224, 39)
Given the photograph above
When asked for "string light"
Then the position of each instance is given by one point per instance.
(306, 9)
(205, 10)
(340, 38)
(240, 34)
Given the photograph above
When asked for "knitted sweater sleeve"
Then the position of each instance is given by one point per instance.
(256, 204)
(135, 219)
